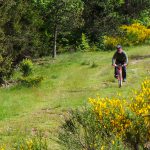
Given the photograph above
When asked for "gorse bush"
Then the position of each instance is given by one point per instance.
(83, 131)
(38, 142)
(32, 144)
(26, 67)
(126, 119)
(111, 123)
(110, 42)
(136, 33)
(129, 35)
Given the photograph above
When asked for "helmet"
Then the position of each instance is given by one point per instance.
(118, 46)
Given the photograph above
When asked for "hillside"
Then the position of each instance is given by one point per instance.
(69, 80)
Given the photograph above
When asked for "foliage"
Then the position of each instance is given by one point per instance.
(60, 23)
(133, 34)
(63, 17)
(101, 17)
(2, 147)
(32, 144)
(84, 46)
(128, 120)
(72, 89)
(19, 34)
(111, 42)
(31, 81)
(26, 67)
(136, 33)
(144, 18)
(81, 131)
(35, 143)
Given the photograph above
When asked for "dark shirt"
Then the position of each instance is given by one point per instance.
(120, 58)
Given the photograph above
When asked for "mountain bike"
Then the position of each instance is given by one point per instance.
(119, 74)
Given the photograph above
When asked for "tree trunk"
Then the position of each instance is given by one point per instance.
(126, 10)
(1, 80)
(136, 146)
(55, 42)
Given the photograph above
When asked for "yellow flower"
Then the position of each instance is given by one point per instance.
(113, 142)
(102, 148)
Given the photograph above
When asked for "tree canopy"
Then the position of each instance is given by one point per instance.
(36, 28)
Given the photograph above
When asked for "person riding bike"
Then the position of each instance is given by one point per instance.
(120, 57)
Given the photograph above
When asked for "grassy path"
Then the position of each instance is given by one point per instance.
(69, 81)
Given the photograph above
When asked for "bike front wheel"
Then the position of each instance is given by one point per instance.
(120, 83)
(120, 80)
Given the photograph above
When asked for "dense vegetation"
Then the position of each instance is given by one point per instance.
(37, 90)
(25, 111)
(37, 28)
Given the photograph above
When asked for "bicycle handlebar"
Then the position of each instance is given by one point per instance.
(119, 65)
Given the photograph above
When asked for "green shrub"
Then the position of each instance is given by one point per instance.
(31, 81)
(82, 130)
(84, 46)
(26, 67)
(79, 132)
(144, 18)
(94, 47)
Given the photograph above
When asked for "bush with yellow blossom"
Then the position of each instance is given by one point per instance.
(110, 42)
(128, 35)
(126, 119)
(32, 144)
(136, 33)
(2, 147)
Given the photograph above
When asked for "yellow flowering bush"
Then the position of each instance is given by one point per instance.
(2, 147)
(111, 42)
(133, 34)
(141, 102)
(112, 114)
(140, 108)
(36, 143)
(136, 32)
(126, 119)
(32, 144)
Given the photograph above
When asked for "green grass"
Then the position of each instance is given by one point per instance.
(69, 81)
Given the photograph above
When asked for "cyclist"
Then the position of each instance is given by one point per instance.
(120, 57)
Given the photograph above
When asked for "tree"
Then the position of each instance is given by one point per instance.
(101, 17)
(19, 37)
(62, 16)
(131, 9)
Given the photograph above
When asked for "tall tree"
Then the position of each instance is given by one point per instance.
(101, 17)
(131, 9)
(62, 15)
(19, 36)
